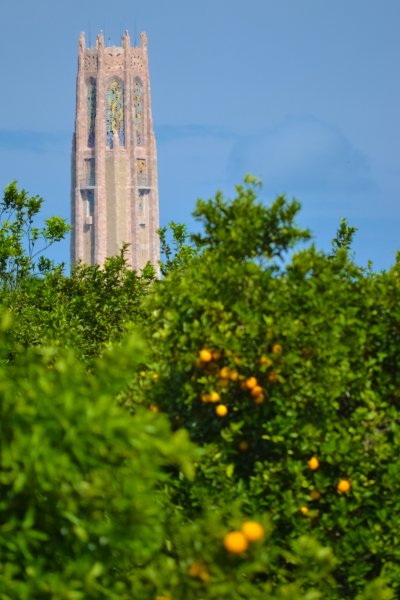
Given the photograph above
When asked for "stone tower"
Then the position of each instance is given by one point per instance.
(114, 162)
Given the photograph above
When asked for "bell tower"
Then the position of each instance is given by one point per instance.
(114, 196)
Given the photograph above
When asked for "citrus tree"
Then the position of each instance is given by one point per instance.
(282, 365)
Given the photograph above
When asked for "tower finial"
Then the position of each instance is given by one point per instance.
(126, 40)
(143, 40)
(82, 43)
(100, 40)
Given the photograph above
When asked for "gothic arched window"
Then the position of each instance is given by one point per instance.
(115, 113)
(91, 111)
(138, 103)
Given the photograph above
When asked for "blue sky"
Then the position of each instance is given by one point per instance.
(302, 93)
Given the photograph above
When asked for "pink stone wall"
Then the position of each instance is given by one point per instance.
(125, 188)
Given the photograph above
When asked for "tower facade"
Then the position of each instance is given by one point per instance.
(114, 160)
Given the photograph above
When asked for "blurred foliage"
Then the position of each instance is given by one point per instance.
(81, 498)
(106, 374)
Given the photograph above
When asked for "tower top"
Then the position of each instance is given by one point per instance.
(125, 41)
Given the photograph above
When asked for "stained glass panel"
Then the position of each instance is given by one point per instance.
(138, 103)
(91, 111)
(115, 113)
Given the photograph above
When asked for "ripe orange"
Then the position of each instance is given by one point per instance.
(205, 397)
(234, 376)
(236, 542)
(256, 390)
(221, 410)
(250, 383)
(260, 399)
(304, 510)
(276, 348)
(313, 463)
(224, 373)
(343, 486)
(253, 531)
(214, 397)
(205, 355)
(264, 360)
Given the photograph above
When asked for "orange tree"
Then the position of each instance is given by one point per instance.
(88, 503)
(283, 366)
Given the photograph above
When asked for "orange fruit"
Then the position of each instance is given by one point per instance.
(155, 377)
(260, 399)
(276, 348)
(243, 446)
(224, 373)
(234, 376)
(304, 510)
(215, 397)
(154, 408)
(256, 390)
(264, 360)
(253, 531)
(315, 495)
(205, 355)
(313, 463)
(221, 410)
(236, 542)
(216, 354)
(199, 570)
(250, 383)
(205, 397)
(273, 377)
(343, 486)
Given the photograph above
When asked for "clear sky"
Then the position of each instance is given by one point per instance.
(302, 93)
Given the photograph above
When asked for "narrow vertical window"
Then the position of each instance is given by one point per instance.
(91, 111)
(90, 179)
(115, 113)
(138, 103)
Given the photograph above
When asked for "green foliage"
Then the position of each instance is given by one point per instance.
(19, 236)
(179, 252)
(80, 482)
(84, 311)
(245, 229)
(344, 236)
(300, 348)
(320, 336)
